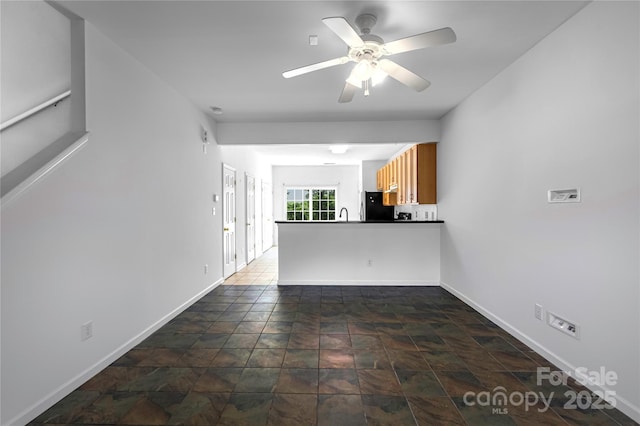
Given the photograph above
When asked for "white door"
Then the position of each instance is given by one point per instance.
(267, 216)
(251, 217)
(229, 220)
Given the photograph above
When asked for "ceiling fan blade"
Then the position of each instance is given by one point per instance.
(315, 67)
(420, 41)
(347, 93)
(403, 75)
(341, 27)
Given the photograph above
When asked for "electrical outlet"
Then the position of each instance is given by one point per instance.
(86, 331)
(538, 312)
(369, 262)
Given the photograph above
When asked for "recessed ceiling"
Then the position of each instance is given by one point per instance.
(320, 154)
(231, 54)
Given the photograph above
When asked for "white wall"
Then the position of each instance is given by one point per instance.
(408, 131)
(36, 62)
(345, 178)
(358, 254)
(564, 115)
(369, 171)
(118, 235)
(245, 160)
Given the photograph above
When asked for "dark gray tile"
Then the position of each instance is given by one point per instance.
(231, 358)
(344, 410)
(387, 410)
(241, 341)
(338, 381)
(266, 358)
(247, 409)
(298, 380)
(272, 341)
(257, 380)
(258, 355)
(293, 410)
(301, 358)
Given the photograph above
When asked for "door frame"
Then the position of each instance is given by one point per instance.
(248, 217)
(228, 271)
(267, 215)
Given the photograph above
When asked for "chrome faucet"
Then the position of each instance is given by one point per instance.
(346, 211)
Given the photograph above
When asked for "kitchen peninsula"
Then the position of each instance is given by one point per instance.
(359, 253)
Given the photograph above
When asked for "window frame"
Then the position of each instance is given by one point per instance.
(311, 210)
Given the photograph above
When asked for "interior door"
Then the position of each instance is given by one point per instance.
(229, 220)
(251, 217)
(267, 216)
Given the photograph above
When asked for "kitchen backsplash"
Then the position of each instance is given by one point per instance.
(419, 211)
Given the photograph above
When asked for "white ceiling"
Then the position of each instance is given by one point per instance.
(231, 54)
(320, 154)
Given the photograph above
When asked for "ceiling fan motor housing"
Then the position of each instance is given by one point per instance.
(373, 45)
(365, 22)
(372, 49)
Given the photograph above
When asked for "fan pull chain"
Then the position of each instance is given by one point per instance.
(366, 87)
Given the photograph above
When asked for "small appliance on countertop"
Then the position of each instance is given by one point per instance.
(404, 216)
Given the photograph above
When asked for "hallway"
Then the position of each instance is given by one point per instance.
(261, 271)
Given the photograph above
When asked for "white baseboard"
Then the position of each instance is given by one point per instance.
(359, 283)
(48, 401)
(622, 404)
(240, 267)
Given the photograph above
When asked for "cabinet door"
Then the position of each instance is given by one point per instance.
(379, 181)
(401, 179)
(426, 173)
(411, 158)
(392, 173)
(385, 176)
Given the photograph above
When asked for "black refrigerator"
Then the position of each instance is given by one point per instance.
(373, 209)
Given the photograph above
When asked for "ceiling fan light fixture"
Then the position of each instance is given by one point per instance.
(354, 81)
(378, 77)
(363, 69)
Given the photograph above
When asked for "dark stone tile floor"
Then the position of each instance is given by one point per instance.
(264, 355)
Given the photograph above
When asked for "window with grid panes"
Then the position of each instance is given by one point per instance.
(311, 204)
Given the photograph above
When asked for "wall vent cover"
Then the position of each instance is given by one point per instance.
(563, 195)
(567, 327)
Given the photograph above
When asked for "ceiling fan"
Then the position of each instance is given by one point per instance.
(367, 51)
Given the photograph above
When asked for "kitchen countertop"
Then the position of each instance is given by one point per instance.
(354, 222)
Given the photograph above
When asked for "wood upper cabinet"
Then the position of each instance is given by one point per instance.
(405, 190)
(393, 170)
(414, 173)
(425, 174)
(402, 179)
(388, 198)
